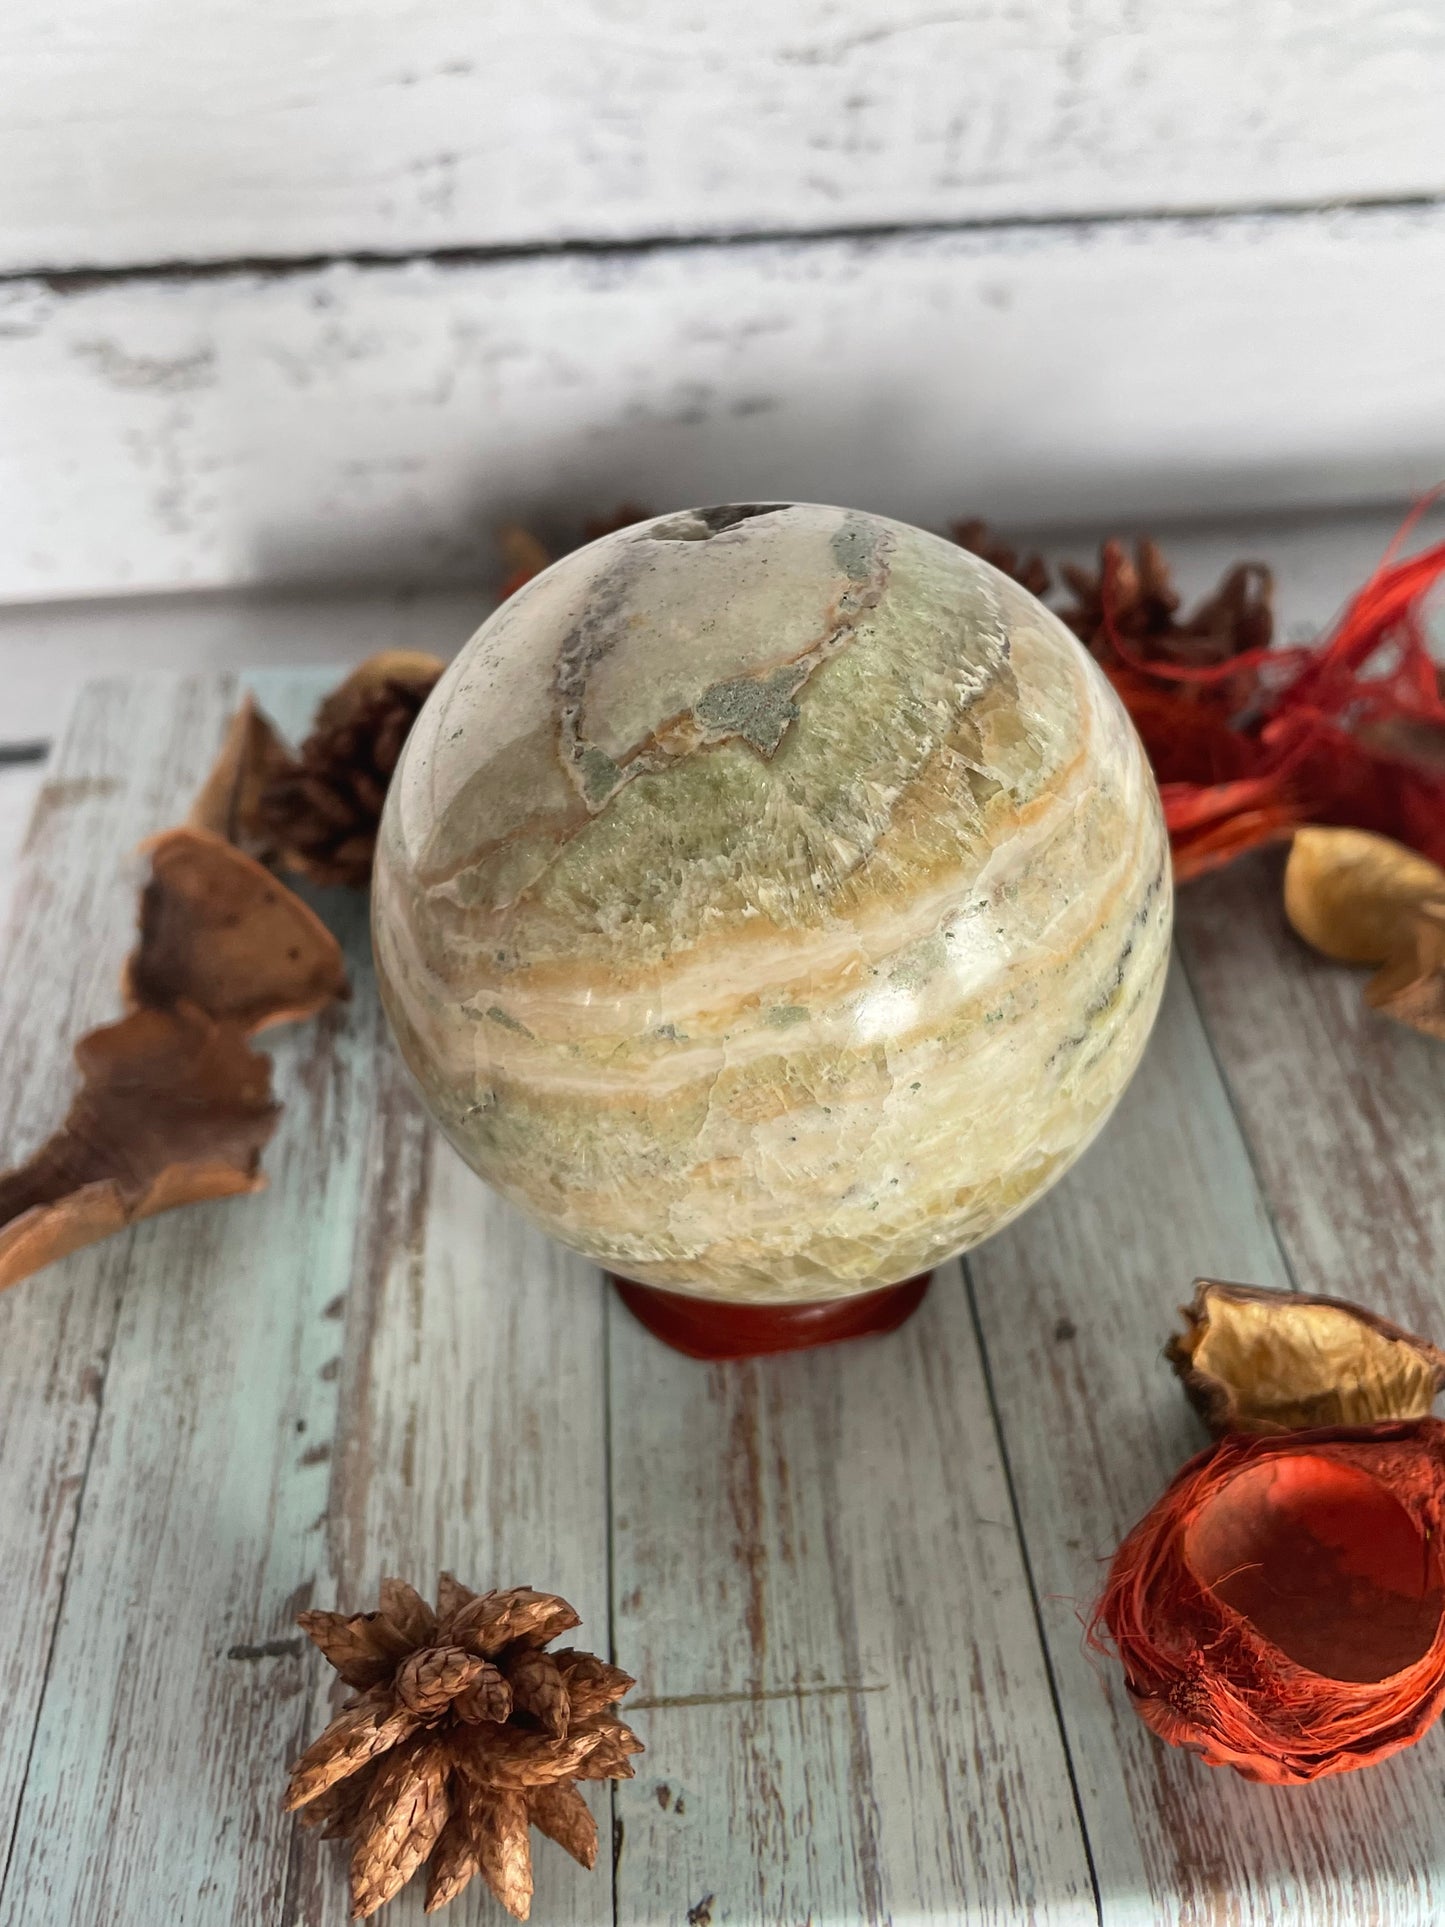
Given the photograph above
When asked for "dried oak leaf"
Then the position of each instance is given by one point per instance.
(1365, 899)
(1260, 1361)
(1031, 571)
(465, 1734)
(173, 1108)
(321, 813)
(219, 931)
(228, 803)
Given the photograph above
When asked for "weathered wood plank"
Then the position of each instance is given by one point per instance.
(1345, 1110)
(379, 422)
(817, 1581)
(373, 1367)
(174, 1689)
(1074, 1303)
(131, 754)
(470, 1430)
(332, 126)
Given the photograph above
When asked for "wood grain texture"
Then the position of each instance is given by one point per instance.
(818, 1585)
(342, 1381)
(151, 131)
(1345, 1109)
(130, 757)
(378, 423)
(1074, 1303)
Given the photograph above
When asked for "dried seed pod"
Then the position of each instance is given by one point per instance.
(1411, 987)
(1273, 1361)
(219, 931)
(229, 801)
(172, 1109)
(1281, 1608)
(1354, 896)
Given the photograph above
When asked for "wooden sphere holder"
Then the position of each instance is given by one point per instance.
(712, 1329)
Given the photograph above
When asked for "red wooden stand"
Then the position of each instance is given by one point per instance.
(710, 1328)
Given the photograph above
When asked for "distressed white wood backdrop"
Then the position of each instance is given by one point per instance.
(850, 1582)
(580, 300)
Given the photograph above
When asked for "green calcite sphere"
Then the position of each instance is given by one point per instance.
(772, 901)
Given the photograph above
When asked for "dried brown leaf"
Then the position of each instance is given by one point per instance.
(503, 1847)
(498, 1619)
(539, 1689)
(1253, 1360)
(1355, 896)
(219, 931)
(563, 1815)
(592, 1685)
(369, 1726)
(229, 803)
(405, 1811)
(173, 1109)
(433, 1676)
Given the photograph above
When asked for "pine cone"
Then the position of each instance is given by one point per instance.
(1031, 571)
(1134, 599)
(462, 1734)
(322, 811)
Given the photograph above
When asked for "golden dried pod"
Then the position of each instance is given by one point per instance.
(1253, 1360)
(1356, 896)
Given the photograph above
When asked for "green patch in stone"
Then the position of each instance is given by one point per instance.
(781, 1016)
(600, 776)
(855, 549)
(757, 709)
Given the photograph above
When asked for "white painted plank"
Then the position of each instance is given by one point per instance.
(1075, 1301)
(379, 423)
(122, 771)
(818, 1583)
(149, 130)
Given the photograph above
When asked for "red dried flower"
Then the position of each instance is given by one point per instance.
(1281, 1608)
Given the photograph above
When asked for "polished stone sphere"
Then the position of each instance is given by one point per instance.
(772, 900)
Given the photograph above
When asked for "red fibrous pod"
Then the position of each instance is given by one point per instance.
(1281, 1608)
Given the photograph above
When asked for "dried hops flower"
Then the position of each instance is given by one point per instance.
(1281, 1608)
(463, 1734)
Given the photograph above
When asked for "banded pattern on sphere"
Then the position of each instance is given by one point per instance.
(772, 900)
